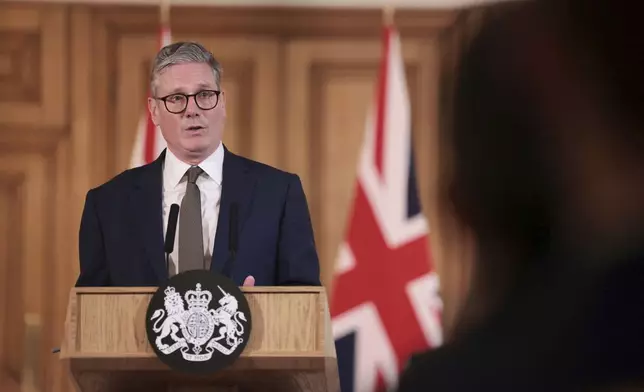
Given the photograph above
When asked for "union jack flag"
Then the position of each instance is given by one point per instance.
(385, 304)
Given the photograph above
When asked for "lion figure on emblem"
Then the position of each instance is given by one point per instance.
(228, 315)
(175, 310)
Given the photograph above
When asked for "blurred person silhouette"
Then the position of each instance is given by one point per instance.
(548, 141)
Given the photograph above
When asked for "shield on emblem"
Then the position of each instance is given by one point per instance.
(198, 322)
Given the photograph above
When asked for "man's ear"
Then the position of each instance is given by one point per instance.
(222, 97)
(153, 108)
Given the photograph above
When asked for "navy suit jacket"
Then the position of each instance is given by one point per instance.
(121, 230)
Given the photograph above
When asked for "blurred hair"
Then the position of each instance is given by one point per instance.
(500, 183)
(537, 69)
(602, 38)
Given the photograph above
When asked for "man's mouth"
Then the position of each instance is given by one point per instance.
(194, 128)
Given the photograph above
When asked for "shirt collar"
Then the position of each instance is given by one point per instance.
(174, 169)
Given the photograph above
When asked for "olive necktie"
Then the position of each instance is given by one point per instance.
(191, 254)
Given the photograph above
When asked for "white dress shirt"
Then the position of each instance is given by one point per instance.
(209, 183)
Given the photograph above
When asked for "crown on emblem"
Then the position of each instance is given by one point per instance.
(197, 298)
(170, 293)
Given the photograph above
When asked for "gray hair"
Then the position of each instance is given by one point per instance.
(181, 53)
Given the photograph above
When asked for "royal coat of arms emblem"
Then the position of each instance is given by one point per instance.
(197, 324)
(204, 328)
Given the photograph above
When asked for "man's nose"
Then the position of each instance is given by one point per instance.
(192, 109)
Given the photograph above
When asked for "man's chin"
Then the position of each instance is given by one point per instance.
(197, 149)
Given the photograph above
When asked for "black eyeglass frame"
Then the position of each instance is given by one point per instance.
(188, 96)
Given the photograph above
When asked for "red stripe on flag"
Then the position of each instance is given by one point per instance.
(382, 100)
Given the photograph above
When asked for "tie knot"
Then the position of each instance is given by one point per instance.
(193, 173)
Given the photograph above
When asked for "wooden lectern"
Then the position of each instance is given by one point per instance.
(291, 347)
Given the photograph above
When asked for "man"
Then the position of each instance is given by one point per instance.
(125, 220)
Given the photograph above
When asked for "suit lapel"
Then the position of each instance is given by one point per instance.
(146, 206)
(238, 184)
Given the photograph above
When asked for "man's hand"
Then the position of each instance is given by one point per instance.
(249, 281)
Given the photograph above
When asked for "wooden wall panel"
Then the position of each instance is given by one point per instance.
(73, 81)
(11, 331)
(33, 74)
(34, 121)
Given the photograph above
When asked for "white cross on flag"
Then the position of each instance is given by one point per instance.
(149, 142)
(385, 304)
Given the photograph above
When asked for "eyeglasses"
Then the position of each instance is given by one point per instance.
(178, 102)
